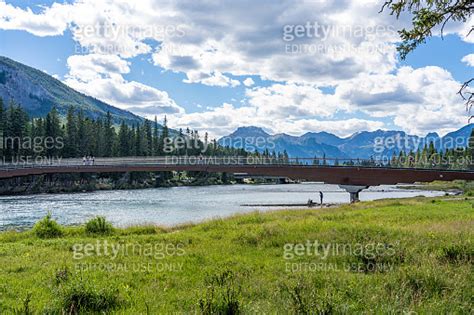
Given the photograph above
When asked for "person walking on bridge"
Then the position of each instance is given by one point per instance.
(321, 195)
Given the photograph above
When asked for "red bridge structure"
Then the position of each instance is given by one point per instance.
(352, 178)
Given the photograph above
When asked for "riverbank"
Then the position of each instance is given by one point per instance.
(381, 256)
(72, 183)
(456, 187)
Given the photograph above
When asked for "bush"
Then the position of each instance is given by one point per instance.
(457, 254)
(222, 295)
(99, 225)
(80, 296)
(304, 298)
(47, 228)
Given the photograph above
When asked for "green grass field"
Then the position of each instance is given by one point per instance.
(389, 256)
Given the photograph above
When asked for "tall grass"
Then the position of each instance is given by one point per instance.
(99, 226)
(47, 228)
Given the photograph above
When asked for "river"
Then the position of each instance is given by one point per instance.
(171, 206)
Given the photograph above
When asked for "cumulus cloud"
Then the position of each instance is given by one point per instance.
(212, 79)
(223, 120)
(248, 82)
(469, 60)
(419, 100)
(299, 47)
(101, 76)
(292, 100)
(52, 21)
(233, 40)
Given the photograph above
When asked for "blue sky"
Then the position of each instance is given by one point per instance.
(218, 66)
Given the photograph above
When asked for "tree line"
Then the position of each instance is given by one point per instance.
(77, 135)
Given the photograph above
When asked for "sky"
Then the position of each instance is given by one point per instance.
(286, 66)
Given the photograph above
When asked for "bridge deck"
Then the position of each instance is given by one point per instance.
(343, 175)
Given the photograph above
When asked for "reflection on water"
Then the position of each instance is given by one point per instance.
(170, 206)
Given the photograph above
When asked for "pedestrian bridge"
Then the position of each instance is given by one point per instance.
(354, 175)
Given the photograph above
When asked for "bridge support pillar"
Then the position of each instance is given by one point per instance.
(354, 191)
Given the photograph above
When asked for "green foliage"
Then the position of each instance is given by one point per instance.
(62, 96)
(99, 225)
(23, 308)
(222, 295)
(79, 296)
(426, 15)
(304, 299)
(432, 257)
(47, 228)
(457, 254)
(79, 136)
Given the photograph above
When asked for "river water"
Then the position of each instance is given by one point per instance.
(171, 206)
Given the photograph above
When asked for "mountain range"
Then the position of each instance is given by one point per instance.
(364, 145)
(37, 93)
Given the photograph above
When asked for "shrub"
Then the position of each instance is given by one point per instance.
(47, 228)
(456, 254)
(62, 275)
(81, 296)
(304, 298)
(99, 225)
(22, 308)
(222, 295)
(424, 283)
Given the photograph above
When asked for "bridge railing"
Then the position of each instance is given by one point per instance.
(228, 161)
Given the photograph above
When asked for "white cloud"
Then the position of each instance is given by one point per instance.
(89, 67)
(339, 40)
(469, 60)
(223, 120)
(419, 100)
(101, 76)
(292, 100)
(52, 21)
(234, 40)
(248, 82)
(213, 79)
(351, 48)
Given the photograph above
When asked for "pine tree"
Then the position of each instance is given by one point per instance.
(156, 138)
(53, 131)
(148, 138)
(71, 134)
(123, 140)
(138, 141)
(81, 144)
(15, 129)
(164, 136)
(470, 155)
(109, 136)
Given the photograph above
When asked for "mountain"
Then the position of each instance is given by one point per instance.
(324, 137)
(256, 139)
(458, 138)
(38, 92)
(364, 145)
